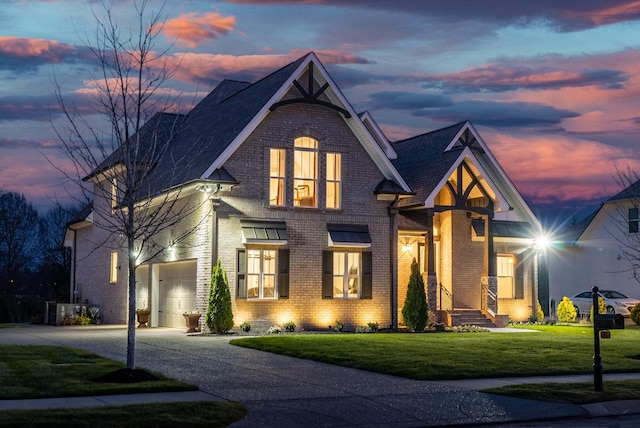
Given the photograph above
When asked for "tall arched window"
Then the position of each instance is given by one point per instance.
(305, 172)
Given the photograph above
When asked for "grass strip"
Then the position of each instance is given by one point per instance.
(554, 350)
(573, 393)
(185, 415)
(30, 371)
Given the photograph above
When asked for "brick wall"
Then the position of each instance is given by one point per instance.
(306, 227)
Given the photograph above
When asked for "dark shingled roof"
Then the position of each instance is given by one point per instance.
(632, 191)
(422, 161)
(209, 129)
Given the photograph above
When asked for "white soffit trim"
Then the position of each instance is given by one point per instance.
(501, 203)
(386, 145)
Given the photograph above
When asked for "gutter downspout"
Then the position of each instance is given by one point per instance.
(393, 262)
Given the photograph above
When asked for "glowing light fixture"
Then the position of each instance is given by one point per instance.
(541, 243)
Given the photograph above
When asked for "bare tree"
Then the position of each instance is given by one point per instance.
(18, 245)
(56, 258)
(133, 199)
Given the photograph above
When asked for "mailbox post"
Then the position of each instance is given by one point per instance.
(601, 323)
(597, 360)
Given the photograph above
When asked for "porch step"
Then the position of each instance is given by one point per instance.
(471, 317)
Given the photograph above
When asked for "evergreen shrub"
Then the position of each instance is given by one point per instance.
(414, 310)
(219, 314)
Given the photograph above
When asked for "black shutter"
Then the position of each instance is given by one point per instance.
(327, 274)
(367, 276)
(283, 274)
(241, 273)
(519, 277)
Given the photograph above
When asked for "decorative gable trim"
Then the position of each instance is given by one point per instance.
(338, 100)
(469, 138)
(309, 96)
(500, 203)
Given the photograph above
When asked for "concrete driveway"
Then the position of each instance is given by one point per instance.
(280, 391)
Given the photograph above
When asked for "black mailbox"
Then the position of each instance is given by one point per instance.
(609, 322)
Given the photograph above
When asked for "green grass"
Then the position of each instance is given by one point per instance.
(48, 371)
(555, 350)
(574, 393)
(190, 414)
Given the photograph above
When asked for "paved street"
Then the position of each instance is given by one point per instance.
(280, 391)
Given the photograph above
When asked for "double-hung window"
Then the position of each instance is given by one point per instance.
(305, 172)
(633, 220)
(334, 180)
(261, 274)
(276, 177)
(504, 271)
(346, 275)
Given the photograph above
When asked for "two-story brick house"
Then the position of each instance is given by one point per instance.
(316, 216)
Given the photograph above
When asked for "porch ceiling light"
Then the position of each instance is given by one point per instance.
(406, 248)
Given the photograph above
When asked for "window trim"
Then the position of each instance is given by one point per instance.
(335, 181)
(366, 275)
(113, 268)
(281, 272)
(299, 183)
(282, 179)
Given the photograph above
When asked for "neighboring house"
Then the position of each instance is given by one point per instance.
(598, 250)
(317, 217)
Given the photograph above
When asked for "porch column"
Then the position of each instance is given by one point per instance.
(489, 281)
(432, 279)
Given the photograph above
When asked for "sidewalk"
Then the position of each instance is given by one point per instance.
(608, 408)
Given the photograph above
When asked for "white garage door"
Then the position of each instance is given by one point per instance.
(177, 292)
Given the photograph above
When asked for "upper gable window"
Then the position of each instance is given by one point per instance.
(633, 220)
(334, 180)
(276, 177)
(305, 172)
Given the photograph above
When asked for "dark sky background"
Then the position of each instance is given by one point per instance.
(552, 86)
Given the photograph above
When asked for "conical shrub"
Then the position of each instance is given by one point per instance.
(219, 314)
(414, 311)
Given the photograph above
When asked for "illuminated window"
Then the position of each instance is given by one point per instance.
(114, 195)
(504, 271)
(113, 272)
(633, 220)
(276, 177)
(305, 172)
(261, 274)
(334, 179)
(346, 275)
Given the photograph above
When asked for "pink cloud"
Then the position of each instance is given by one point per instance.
(208, 67)
(191, 29)
(607, 15)
(23, 47)
(560, 168)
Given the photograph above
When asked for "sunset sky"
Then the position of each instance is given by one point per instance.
(552, 86)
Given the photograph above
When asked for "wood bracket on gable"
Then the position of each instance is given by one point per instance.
(468, 140)
(460, 194)
(310, 97)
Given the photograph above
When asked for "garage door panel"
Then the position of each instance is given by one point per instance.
(177, 292)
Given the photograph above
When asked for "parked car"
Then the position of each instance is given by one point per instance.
(617, 302)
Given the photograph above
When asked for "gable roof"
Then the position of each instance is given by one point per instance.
(214, 129)
(428, 160)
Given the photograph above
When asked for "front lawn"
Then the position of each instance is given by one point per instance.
(29, 371)
(49, 371)
(554, 350)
